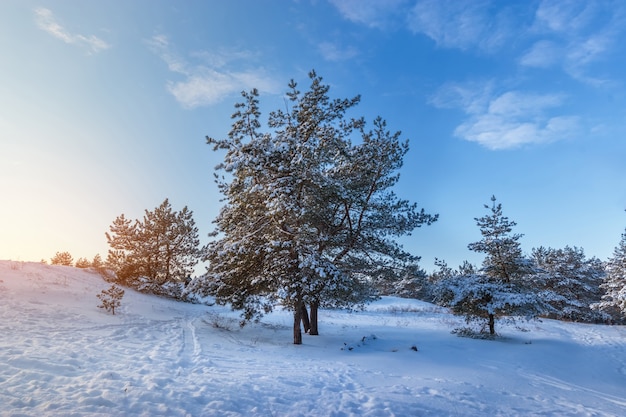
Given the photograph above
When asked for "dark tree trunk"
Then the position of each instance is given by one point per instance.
(314, 329)
(305, 319)
(492, 325)
(297, 318)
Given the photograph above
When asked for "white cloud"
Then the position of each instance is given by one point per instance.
(507, 120)
(471, 97)
(334, 52)
(498, 132)
(224, 57)
(575, 34)
(543, 54)
(161, 46)
(211, 80)
(208, 86)
(372, 13)
(46, 21)
(518, 104)
(564, 16)
(579, 55)
(462, 24)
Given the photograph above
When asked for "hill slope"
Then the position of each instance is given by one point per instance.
(62, 356)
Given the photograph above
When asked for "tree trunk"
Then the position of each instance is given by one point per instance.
(492, 325)
(305, 319)
(297, 318)
(314, 329)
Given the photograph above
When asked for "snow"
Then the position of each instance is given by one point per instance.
(60, 355)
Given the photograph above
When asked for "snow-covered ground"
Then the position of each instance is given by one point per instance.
(60, 355)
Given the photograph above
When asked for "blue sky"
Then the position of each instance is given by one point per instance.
(105, 105)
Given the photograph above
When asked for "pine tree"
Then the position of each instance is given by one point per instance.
(308, 216)
(62, 258)
(502, 286)
(503, 261)
(111, 298)
(614, 285)
(169, 244)
(97, 262)
(162, 248)
(568, 282)
(414, 284)
(82, 263)
(124, 256)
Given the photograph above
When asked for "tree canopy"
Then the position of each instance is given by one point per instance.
(309, 217)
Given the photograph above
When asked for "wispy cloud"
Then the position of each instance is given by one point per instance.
(210, 80)
(47, 22)
(506, 120)
(331, 51)
(564, 16)
(472, 97)
(462, 24)
(575, 34)
(373, 13)
(543, 54)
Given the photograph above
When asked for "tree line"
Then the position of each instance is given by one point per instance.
(65, 258)
(310, 220)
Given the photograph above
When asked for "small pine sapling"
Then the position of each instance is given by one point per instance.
(111, 298)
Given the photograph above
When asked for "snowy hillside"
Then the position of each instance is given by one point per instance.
(60, 355)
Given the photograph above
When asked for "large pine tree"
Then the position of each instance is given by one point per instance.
(309, 217)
